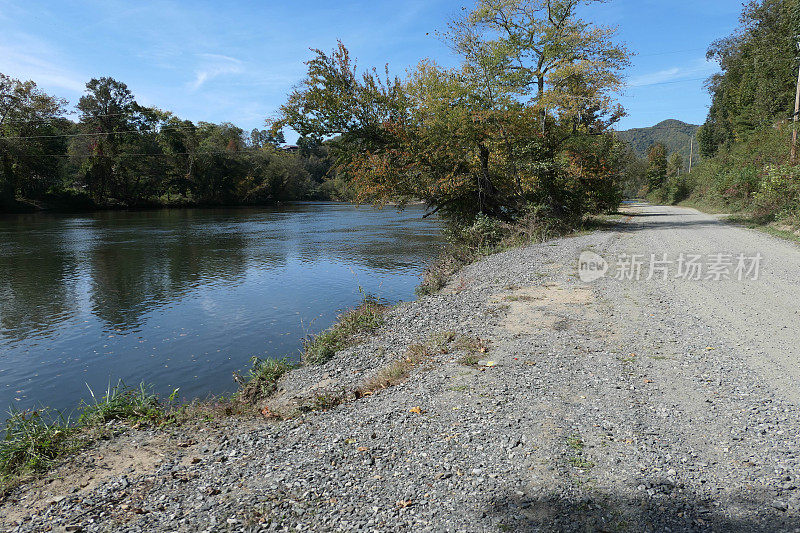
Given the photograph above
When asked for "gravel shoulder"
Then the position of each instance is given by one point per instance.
(543, 404)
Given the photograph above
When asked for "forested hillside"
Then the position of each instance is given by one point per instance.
(673, 134)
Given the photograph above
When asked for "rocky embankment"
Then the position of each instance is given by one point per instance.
(535, 402)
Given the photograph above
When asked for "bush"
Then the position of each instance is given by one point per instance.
(779, 195)
(734, 179)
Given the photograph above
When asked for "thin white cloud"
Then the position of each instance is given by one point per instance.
(23, 65)
(697, 68)
(214, 65)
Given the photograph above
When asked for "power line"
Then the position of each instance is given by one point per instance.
(666, 82)
(70, 135)
(162, 154)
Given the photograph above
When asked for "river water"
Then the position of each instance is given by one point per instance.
(182, 298)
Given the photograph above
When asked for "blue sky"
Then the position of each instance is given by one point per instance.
(236, 60)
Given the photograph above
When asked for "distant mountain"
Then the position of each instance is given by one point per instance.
(674, 134)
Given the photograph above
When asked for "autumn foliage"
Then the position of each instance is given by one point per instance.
(522, 124)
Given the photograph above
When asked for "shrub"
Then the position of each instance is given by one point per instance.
(779, 195)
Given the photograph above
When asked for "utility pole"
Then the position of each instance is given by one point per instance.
(796, 112)
(691, 153)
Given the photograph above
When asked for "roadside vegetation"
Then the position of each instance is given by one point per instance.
(367, 317)
(745, 142)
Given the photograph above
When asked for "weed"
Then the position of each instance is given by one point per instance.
(33, 440)
(459, 388)
(400, 369)
(469, 360)
(367, 317)
(519, 298)
(580, 462)
(440, 271)
(474, 347)
(262, 378)
(138, 405)
(397, 371)
(575, 442)
(323, 402)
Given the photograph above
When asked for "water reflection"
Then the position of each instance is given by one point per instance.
(183, 297)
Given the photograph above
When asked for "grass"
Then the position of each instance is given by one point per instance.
(367, 317)
(262, 378)
(576, 444)
(782, 229)
(35, 439)
(323, 402)
(580, 462)
(520, 298)
(138, 405)
(440, 271)
(475, 349)
(399, 370)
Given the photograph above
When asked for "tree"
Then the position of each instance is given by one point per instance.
(30, 142)
(111, 118)
(756, 87)
(491, 137)
(656, 166)
(541, 48)
(675, 164)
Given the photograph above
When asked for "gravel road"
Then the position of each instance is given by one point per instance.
(614, 405)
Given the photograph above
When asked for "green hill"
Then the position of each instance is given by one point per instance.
(675, 135)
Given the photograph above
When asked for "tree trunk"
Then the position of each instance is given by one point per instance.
(487, 194)
(543, 111)
(8, 189)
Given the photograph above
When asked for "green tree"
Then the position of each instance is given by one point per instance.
(756, 86)
(656, 166)
(31, 128)
(110, 119)
(675, 164)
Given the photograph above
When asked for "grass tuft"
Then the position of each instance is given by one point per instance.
(474, 349)
(34, 439)
(399, 370)
(365, 318)
(137, 405)
(262, 378)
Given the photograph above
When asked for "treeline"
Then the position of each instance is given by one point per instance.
(516, 136)
(746, 138)
(120, 153)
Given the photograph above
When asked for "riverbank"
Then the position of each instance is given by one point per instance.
(533, 402)
(70, 202)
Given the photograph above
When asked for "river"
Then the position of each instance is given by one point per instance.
(184, 297)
